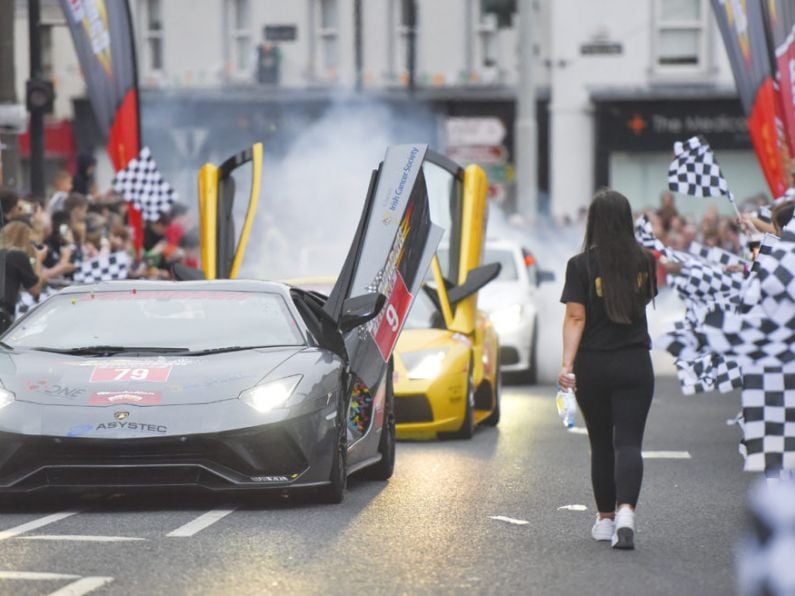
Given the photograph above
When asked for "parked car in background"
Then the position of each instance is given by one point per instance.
(511, 302)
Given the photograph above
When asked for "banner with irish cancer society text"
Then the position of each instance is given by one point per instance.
(103, 38)
(742, 27)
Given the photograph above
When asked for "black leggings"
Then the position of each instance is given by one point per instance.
(614, 392)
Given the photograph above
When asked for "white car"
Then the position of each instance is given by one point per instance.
(510, 301)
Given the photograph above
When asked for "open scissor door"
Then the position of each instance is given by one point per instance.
(221, 251)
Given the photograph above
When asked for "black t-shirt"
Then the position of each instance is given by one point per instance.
(19, 274)
(584, 286)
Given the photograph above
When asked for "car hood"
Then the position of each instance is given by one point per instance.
(499, 294)
(143, 380)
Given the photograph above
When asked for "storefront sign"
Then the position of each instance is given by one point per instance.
(656, 125)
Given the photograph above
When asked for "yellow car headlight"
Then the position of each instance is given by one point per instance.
(273, 394)
(6, 397)
(424, 364)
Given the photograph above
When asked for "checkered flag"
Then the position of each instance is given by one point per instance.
(28, 302)
(646, 238)
(105, 267)
(769, 417)
(695, 171)
(142, 184)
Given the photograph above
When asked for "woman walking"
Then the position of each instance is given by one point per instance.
(606, 358)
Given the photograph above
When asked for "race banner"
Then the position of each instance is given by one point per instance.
(780, 24)
(103, 38)
(742, 26)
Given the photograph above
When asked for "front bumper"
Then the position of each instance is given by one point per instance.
(516, 347)
(291, 453)
(423, 407)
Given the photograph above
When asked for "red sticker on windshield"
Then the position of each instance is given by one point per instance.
(149, 374)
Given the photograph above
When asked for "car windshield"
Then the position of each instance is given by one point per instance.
(423, 314)
(506, 259)
(152, 319)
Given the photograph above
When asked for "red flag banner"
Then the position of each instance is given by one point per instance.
(742, 25)
(103, 37)
(780, 21)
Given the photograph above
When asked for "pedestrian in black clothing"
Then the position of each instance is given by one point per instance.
(83, 180)
(606, 346)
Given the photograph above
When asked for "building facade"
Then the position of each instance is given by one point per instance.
(616, 80)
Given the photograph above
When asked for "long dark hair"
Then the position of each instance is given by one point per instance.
(627, 270)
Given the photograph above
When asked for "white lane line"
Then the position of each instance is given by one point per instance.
(510, 520)
(578, 430)
(36, 575)
(80, 538)
(203, 521)
(35, 524)
(666, 455)
(83, 586)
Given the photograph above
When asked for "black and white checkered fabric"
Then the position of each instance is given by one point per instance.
(27, 302)
(142, 184)
(765, 214)
(714, 254)
(104, 267)
(695, 171)
(769, 417)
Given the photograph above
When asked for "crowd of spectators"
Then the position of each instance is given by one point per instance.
(46, 243)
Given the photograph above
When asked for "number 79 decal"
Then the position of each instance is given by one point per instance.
(158, 374)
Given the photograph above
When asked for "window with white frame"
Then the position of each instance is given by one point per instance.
(151, 17)
(239, 35)
(328, 35)
(680, 35)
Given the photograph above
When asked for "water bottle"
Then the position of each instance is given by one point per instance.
(567, 406)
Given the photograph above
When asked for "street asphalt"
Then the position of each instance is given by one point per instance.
(428, 530)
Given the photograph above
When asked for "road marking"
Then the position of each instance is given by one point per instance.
(666, 455)
(80, 538)
(83, 586)
(578, 430)
(510, 520)
(572, 508)
(203, 521)
(36, 575)
(35, 524)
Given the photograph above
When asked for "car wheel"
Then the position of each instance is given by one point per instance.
(386, 446)
(494, 417)
(467, 429)
(531, 376)
(335, 490)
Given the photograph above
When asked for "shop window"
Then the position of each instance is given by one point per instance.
(680, 35)
(328, 36)
(239, 35)
(151, 16)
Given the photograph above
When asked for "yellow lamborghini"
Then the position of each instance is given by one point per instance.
(447, 370)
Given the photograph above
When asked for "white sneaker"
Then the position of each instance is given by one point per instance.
(624, 533)
(603, 529)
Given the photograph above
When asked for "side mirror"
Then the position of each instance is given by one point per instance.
(360, 309)
(544, 276)
(476, 279)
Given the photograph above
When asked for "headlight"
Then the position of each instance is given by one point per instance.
(273, 394)
(6, 397)
(507, 319)
(425, 364)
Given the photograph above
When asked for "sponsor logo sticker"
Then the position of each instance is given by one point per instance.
(111, 398)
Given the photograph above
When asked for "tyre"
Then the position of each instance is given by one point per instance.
(494, 417)
(531, 375)
(467, 429)
(386, 446)
(335, 490)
